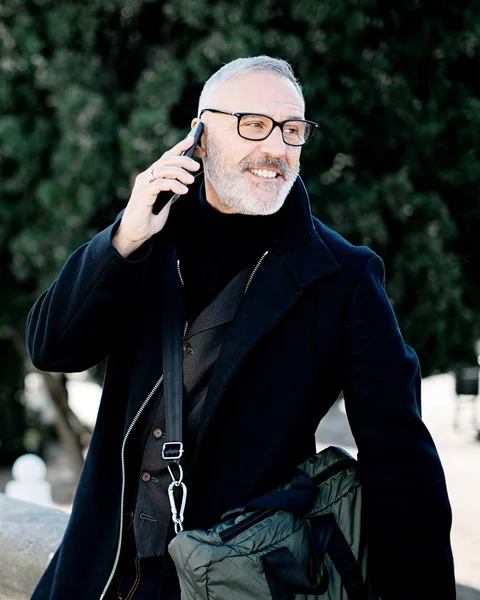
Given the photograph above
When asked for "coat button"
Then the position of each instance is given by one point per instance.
(146, 476)
(187, 349)
(157, 433)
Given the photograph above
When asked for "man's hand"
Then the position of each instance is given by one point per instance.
(171, 173)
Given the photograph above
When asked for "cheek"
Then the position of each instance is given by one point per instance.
(293, 158)
(232, 150)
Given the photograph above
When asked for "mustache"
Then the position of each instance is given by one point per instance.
(268, 163)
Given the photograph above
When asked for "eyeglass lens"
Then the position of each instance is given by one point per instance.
(255, 127)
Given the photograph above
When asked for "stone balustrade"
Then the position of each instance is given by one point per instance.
(29, 535)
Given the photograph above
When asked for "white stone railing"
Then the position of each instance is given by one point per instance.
(29, 535)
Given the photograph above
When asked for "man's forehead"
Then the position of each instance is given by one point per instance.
(261, 92)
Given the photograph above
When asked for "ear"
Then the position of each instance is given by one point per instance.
(200, 148)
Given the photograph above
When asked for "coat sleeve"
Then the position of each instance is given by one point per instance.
(406, 506)
(73, 325)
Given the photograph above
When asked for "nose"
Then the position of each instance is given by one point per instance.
(274, 145)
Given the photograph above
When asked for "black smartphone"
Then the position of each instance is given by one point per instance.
(164, 197)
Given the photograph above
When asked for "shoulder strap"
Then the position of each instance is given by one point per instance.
(172, 362)
(172, 358)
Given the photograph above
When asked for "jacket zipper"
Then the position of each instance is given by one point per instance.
(122, 500)
(257, 266)
(260, 515)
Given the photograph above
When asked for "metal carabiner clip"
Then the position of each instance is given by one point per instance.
(177, 516)
(180, 474)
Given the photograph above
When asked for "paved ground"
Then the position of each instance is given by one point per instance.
(458, 449)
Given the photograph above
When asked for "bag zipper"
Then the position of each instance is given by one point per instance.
(259, 515)
(341, 465)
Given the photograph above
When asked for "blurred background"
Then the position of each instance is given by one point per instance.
(93, 92)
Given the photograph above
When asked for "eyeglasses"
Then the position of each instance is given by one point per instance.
(252, 126)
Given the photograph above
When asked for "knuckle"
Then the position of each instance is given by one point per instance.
(160, 182)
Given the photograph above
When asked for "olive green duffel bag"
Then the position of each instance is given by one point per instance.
(303, 540)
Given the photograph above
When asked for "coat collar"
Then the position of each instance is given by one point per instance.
(301, 249)
(298, 244)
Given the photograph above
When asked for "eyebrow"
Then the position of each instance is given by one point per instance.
(252, 112)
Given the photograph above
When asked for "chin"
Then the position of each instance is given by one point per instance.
(261, 208)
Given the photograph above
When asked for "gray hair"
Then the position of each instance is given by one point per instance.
(243, 66)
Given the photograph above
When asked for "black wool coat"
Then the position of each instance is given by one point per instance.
(316, 321)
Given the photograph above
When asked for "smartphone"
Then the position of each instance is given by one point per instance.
(164, 197)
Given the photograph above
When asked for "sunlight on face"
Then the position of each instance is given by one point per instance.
(245, 176)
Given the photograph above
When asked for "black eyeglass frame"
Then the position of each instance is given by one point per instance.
(280, 124)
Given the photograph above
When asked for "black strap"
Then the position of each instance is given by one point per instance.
(172, 355)
(286, 577)
(328, 539)
(298, 498)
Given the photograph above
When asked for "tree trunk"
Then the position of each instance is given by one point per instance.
(70, 430)
(73, 435)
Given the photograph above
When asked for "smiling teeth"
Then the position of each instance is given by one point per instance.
(263, 173)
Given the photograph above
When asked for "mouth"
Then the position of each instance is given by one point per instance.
(265, 173)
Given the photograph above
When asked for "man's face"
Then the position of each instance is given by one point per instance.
(245, 176)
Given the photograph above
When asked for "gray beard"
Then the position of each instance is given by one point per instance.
(233, 192)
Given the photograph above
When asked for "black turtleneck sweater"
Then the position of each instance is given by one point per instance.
(213, 247)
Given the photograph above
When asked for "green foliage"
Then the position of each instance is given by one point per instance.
(93, 92)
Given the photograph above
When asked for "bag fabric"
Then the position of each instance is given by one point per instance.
(302, 540)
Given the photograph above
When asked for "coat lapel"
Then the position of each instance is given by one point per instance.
(273, 291)
(223, 308)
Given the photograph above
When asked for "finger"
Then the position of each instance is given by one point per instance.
(178, 161)
(180, 147)
(183, 162)
(164, 172)
(167, 185)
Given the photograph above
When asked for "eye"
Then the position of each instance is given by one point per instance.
(254, 124)
(292, 129)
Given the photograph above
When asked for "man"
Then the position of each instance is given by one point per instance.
(282, 315)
